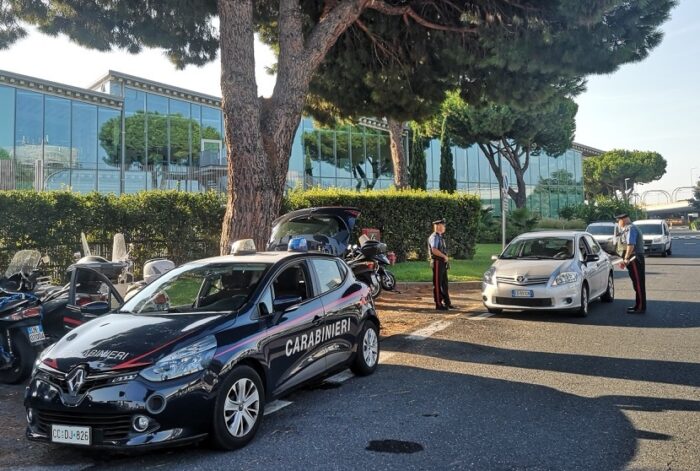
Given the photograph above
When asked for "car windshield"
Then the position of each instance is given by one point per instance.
(215, 287)
(650, 229)
(602, 229)
(542, 248)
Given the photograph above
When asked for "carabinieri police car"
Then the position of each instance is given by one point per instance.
(199, 351)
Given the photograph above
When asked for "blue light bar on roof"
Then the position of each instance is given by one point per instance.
(297, 244)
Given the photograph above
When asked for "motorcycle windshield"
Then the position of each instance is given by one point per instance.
(325, 229)
(24, 261)
(119, 251)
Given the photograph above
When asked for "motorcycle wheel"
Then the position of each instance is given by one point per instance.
(22, 362)
(374, 288)
(388, 281)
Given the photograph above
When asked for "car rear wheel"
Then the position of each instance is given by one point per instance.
(367, 356)
(609, 295)
(239, 408)
(583, 309)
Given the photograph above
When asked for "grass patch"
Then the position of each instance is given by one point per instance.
(460, 270)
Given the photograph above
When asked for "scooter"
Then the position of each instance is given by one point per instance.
(367, 262)
(21, 332)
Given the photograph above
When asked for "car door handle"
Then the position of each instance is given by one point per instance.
(317, 320)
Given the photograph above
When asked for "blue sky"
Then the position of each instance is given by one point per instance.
(651, 105)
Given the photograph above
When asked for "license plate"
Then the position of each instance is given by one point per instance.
(70, 434)
(36, 334)
(522, 293)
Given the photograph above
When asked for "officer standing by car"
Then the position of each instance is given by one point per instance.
(633, 259)
(439, 262)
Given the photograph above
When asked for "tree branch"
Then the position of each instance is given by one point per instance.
(408, 12)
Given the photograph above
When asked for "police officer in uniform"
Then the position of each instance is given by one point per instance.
(439, 262)
(633, 259)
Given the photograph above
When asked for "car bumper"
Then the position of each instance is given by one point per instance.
(544, 297)
(654, 248)
(108, 410)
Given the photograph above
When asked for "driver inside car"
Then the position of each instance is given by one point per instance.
(567, 251)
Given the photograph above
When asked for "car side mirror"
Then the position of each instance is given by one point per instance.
(592, 258)
(94, 309)
(263, 310)
(494, 258)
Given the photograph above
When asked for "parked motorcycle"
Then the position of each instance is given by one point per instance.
(22, 335)
(368, 262)
(127, 285)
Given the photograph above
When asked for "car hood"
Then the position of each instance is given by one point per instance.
(530, 268)
(332, 239)
(125, 341)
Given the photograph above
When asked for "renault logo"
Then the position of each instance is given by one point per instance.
(75, 380)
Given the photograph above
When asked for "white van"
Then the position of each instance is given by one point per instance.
(657, 238)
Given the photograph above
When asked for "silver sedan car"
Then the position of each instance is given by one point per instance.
(558, 270)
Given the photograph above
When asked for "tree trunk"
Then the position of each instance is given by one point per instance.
(259, 132)
(519, 197)
(398, 155)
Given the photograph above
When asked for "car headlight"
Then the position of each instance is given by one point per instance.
(488, 275)
(185, 361)
(658, 240)
(565, 278)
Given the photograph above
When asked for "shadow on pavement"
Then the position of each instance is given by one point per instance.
(656, 371)
(659, 315)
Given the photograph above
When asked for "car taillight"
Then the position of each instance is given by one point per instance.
(24, 314)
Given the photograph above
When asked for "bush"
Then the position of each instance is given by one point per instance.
(602, 209)
(518, 221)
(182, 226)
(552, 223)
(404, 216)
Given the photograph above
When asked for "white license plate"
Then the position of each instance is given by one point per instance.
(36, 334)
(522, 293)
(70, 434)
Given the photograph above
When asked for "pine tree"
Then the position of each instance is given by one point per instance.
(448, 182)
(418, 176)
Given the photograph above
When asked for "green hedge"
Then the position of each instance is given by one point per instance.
(182, 226)
(403, 216)
(187, 226)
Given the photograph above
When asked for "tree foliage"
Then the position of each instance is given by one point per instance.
(696, 197)
(448, 181)
(418, 174)
(510, 135)
(606, 174)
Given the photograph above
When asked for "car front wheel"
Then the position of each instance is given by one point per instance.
(239, 408)
(583, 309)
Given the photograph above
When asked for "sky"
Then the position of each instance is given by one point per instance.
(651, 105)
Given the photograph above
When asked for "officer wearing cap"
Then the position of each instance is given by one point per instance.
(633, 259)
(439, 263)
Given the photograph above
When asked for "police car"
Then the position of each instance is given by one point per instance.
(201, 350)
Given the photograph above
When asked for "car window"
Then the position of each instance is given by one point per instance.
(540, 248)
(595, 248)
(328, 273)
(649, 229)
(292, 281)
(583, 248)
(206, 288)
(601, 229)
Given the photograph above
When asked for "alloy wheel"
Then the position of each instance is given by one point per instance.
(242, 407)
(370, 347)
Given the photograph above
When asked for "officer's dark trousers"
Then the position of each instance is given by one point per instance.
(441, 293)
(636, 271)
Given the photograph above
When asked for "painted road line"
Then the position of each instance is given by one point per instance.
(340, 377)
(426, 332)
(482, 316)
(274, 406)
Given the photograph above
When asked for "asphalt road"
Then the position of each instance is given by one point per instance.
(507, 392)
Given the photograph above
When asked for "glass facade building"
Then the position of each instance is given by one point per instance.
(127, 134)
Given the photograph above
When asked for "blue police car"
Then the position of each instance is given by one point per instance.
(199, 352)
